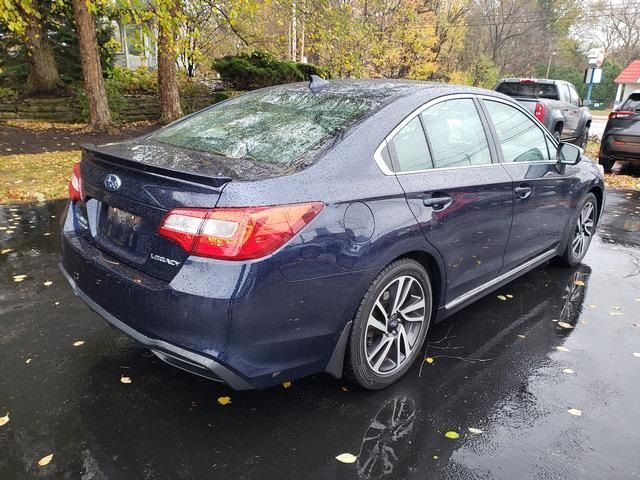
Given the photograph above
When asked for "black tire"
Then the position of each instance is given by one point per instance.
(570, 257)
(357, 367)
(584, 138)
(607, 164)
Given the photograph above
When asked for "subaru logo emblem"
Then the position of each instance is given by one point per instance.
(112, 182)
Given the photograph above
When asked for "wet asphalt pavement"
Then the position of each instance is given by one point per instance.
(495, 368)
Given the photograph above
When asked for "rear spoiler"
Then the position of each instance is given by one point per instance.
(101, 155)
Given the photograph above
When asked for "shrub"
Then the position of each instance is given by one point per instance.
(261, 69)
(114, 98)
(130, 82)
(7, 94)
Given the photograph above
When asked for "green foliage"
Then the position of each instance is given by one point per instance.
(605, 90)
(261, 69)
(7, 94)
(138, 81)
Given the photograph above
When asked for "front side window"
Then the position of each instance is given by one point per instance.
(409, 148)
(632, 103)
(456, 135)
(520, 138)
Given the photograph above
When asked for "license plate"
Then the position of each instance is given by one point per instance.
(121, 227)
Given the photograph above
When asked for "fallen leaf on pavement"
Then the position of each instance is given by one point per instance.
(509, 295)
(562, 349)
(502, 297)
(567, 370)
(124, 379)
(474, 430)
(78, 343)
(286, 384)
(428, 360)
(48, 283)
(19, 278)
(4, 420)
(346, 458)
(6, 250)
(452, 434)
(565, 325)
(45, 460)
(28, 361)
(224, 400)
(575, 412)
(522, 336)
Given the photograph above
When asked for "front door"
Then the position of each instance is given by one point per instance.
(462, 200)
(542, 191)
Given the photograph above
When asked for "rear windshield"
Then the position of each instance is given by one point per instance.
(632, 103)
(529, 90)
(278, 126)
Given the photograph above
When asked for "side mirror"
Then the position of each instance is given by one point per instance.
(586, 103)
(568, 154)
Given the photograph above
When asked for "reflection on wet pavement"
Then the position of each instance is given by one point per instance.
(496, 368)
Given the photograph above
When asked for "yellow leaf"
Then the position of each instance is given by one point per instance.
(579, 283)
(286, 384)
(28, 361)
(224, 400)
(4, 420)
(124, 379)
(48, 283)
(428, 360)
(575, 412)
(592, 306)
(45, 460)
(452, 434)
(19, 278)
(475, 430)
(435, 457)
(565, 325)
(522, 336)
(509, 295)
(78, 343)
(502, 297)
(6, 250)
(346, 458)
(562, 349)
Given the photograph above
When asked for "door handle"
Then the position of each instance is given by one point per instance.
(523, 191)
(438, 202)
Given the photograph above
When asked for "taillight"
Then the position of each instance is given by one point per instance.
(621, 114)
(75, 184)
(236, 233)
(539, 112)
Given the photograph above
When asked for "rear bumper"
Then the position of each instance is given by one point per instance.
(627, 151)
(172, 354)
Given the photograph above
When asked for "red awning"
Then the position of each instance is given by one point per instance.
(631, 74)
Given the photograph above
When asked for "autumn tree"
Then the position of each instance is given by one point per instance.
(99, 113)
(24, 17)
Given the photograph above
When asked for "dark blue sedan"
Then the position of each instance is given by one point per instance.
(321, 228)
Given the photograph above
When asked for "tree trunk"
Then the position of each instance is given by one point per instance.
(43, 72)
(168, 93)
(99, 113)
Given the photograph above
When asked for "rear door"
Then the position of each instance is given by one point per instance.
(542, 190)
(571, 111)
(461, 199)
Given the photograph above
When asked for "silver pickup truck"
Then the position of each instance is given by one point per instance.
(555, 103)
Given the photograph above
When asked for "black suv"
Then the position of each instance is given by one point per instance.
(621, 138)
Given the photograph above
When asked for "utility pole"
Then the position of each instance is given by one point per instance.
(551, 55)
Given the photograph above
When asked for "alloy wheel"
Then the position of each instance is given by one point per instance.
(394, 325)
(584, 230)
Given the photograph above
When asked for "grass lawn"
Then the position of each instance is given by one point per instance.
(35, 176)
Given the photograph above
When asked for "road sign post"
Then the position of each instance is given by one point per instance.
(593, 73)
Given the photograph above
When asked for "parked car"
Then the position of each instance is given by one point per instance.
(621, 137)
(290, 231)
(555, 103)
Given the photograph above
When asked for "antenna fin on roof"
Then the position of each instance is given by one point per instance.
(317, 83)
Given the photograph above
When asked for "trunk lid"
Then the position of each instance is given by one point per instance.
(130, 187)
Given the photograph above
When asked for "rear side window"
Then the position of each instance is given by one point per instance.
(409, 148)
(278, 126)
(575, 98)
(520, 138)
(455, 134)
(632, 103)
(529, 90)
